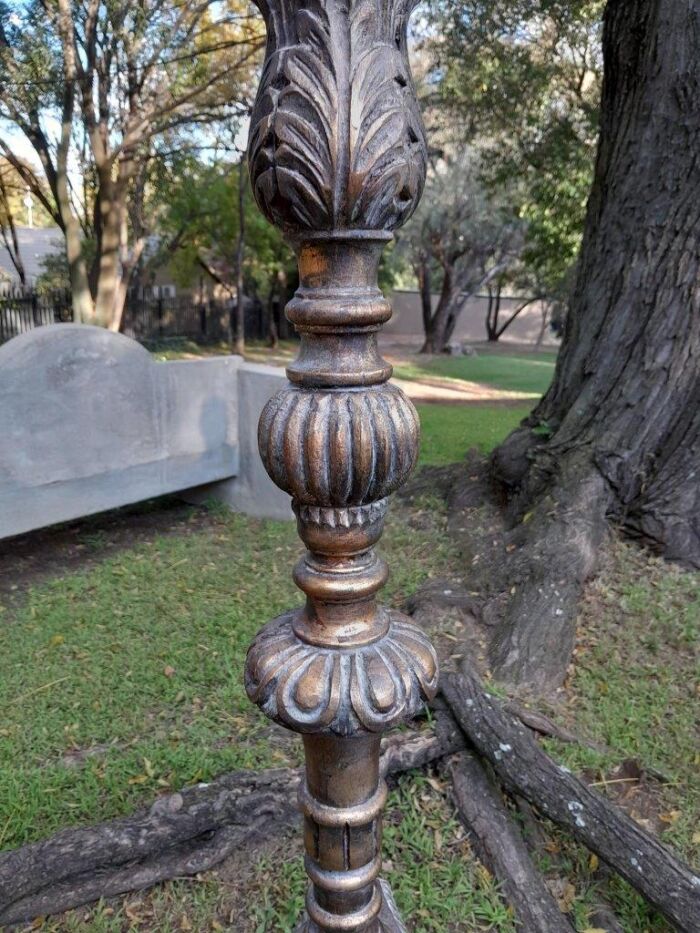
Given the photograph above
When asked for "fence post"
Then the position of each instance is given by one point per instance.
(203, 319)
(160, 316)
(36, 317)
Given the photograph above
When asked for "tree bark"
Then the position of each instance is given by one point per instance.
(435, 325)
(240, 309)
(108, 258)
(494, 309)
(426, 291)
(83, 309)
(617, 436)
(8, 231)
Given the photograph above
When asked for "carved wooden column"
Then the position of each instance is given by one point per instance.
(337, 160)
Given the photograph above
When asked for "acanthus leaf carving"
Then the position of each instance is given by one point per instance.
(337, 150)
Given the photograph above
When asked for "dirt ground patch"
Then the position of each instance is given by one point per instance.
(50, 552)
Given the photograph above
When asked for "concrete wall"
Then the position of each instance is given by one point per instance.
(407, 320)
(89, 421)
(252, 491)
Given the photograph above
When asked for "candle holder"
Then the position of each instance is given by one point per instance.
(337, 160)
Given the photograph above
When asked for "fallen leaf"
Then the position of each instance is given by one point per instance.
(168, 670)
(131, 913)
(593, 862)
(563, 892)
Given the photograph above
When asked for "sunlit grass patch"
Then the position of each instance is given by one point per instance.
(449, 431)
(527, 372)
(125, 680)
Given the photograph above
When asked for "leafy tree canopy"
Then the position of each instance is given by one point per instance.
(200, 223)
(521, 79)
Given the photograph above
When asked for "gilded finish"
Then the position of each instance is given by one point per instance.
(337, 160)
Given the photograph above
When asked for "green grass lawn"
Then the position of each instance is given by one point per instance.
(528, 372)
(123, 681)
(449, 431)
(126, 679)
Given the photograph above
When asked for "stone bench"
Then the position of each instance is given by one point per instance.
(89, 421)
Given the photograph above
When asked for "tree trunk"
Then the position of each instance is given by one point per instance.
(500, 331)
(273, 338)
(110, 206)
(426, 291)
(436, 337)
(544, 321)
(240, 310)
(8, 232)
(129, 269)
(492, 314)
(83, 309)
(617, 436)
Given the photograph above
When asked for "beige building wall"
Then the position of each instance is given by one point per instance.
(471, 326)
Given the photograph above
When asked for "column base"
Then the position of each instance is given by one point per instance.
(389, 920)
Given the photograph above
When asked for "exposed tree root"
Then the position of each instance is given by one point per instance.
(182, 834)
(501, 847)
(662, 879)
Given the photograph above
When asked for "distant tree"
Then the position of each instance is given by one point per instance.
(8, 210)
(458, 241)
(53, 276)
(202, 231)
(118, 79)
(521, 80)
(497, 320)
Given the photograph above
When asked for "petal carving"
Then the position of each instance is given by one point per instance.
(336, 148)
(343, 691)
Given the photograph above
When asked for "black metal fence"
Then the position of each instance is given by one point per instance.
(22, 310)
(145, 319)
